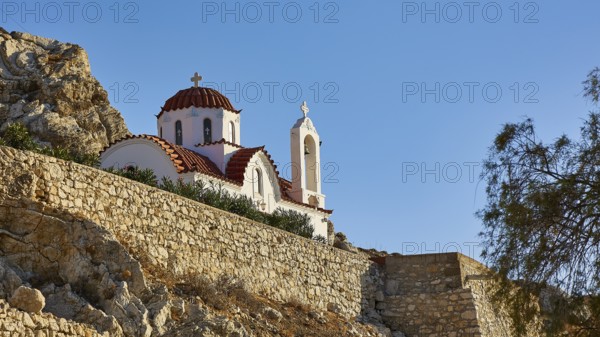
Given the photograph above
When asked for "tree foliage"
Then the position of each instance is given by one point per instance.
(542, 221)
(591, 86)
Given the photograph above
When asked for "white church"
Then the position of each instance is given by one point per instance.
(199, 138)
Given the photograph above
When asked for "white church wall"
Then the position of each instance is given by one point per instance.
(192, 120)
(141, 153)
(189, 122)
(228, 117)
(269, 183)
(217, 153)
(214, 152)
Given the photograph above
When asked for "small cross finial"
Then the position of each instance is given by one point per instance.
(304, 108)
(197, 78)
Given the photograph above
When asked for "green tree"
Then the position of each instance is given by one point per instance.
(542, 222)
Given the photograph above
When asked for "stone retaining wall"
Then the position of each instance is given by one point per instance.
(425, 297)
(438, 295)
(185, 236)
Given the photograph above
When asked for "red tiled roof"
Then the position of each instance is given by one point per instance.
(285, 184)
(198, 97)
(183, 159)
(238, 162)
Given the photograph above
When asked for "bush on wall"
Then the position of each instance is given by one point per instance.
(216, 196)
(16, 135)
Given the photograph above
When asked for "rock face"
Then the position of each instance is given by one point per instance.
(47, 85)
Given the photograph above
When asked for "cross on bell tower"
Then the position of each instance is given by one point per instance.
(304, 108)
(197, 78)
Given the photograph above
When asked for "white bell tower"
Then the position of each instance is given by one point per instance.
(306, 162)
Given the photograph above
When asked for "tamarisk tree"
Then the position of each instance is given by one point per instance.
(542, 223)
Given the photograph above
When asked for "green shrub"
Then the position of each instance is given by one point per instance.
(59, 152)
(18, 137)
(218, 197)
(291, 221)
(320, 238)
(145, 176)
(244, 206)
(89, 159)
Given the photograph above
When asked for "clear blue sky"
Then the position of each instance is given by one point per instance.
(378, 68)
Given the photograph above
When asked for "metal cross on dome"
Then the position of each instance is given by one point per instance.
(197, 78)
(304, 108)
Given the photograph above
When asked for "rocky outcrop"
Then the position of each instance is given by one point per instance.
(340, 241)
(48, 86)
(28, 299)
(16, 323)
(84, 274)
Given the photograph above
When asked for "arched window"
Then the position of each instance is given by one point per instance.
(178, 133)
(232, 132)
(207, 130)
(311, 168)
(257, 182)
(160, 132)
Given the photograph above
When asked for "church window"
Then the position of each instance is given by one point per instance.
(161, 132)
(232, 132)
(207, 130)
(178, 133)
(257, 182)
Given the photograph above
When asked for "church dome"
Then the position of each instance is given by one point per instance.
(198, 97)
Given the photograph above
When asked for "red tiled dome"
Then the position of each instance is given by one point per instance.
(198, 97)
